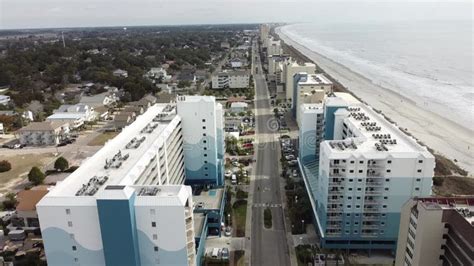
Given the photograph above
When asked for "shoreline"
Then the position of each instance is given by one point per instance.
(444, 136)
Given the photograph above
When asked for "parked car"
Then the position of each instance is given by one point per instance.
(290, 157)
(228, 231)
(225, 253)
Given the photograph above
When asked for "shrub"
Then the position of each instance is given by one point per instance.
(61, 164)
(267, 217)
(35, 176)
(5, 166)
(438, 181)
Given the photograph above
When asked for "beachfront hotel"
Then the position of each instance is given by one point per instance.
(309, 88)
(290, 68)
(365, 171)
(128, 204)
(203, 127)
(436, 231)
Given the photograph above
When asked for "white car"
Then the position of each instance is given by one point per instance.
(290, 157)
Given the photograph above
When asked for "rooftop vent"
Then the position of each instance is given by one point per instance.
(91, 187)
(148, 191)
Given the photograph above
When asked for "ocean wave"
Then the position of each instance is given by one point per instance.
(413, 78)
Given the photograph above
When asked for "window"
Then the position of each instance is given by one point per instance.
(385, 197)
(206, 174)
(388, 170)
(205, 154)
(205, 161)
(359, 180)
(155, 236)
(383, 214)
(387, 180)
(419, 170)
(74, 248)
(348, 206)
(350, 179)
(356, 215)
(204, 134)
(203, 127)
(359, 189)
(358, 197)
(205, 148)
(153, 224)
(350, 189)
(68, 211)
(204, 120)
(384, 206)
(76, 260)
(357, 206)
(347, 231)
(360, 171)
(69, 223)
(349, 197)
(352, 162)
(206, 168)
(386, 189)
(417, 188)
(152, 211)
(348, 223)
(420, 161)
(71, 236)
(204, 141)
(356, 231)
(361, 161)
(356, 223)
(156, 249)
(382, 223)
(351, 171)
(418, 179)
(389, 161)
(348, 215)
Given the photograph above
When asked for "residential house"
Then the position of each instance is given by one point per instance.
(43, 133)
(120, 73)
(26, 208)
(123, 119)
(232, 124)
(76, 115)
(4, 99)
(238, 107)
(100, 99)
(235, 79)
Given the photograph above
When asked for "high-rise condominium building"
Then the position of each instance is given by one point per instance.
(127, 204)
(366, 169)
(436, 231)
(203, 137)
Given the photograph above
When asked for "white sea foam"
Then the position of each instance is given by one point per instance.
(424, 65)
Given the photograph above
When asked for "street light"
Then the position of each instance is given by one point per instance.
(302, 221)
(228, 219)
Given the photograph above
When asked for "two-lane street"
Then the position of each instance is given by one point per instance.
(268, 246)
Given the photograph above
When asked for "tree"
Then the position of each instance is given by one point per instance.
(10, 201)
(35, 176)
(5, 166)
(61, 164)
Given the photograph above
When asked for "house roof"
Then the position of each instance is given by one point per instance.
(75, 108)
(239, 105)
(43, 126)
(27, 199)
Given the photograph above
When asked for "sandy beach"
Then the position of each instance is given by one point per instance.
(442, 135)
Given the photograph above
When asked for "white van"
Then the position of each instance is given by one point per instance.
(234, 179)
(215, 253)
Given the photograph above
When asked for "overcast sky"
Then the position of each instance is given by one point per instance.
(85, 13)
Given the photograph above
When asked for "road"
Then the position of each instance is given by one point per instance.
(268, 246)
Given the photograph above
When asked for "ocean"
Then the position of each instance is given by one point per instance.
(430, 62)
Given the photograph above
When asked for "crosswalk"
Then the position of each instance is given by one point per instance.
(265, 205)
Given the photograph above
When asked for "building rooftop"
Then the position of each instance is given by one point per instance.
(66, 115)
(210, 200)
(315, 79)
(463, 205)
(239, 104)
(27, 199)
(369, 132)
(121, 160)
(42, 126)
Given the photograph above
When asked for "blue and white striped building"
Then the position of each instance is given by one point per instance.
(365, 171)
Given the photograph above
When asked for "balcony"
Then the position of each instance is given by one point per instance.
(374, 183)
(371, 209)
(374, 193)
(188, 213)
(370, 226)
(371, 218)
(334, 218)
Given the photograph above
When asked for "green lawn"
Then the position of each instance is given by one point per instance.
(239, 211)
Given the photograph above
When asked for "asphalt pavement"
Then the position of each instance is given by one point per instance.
(268, 246)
